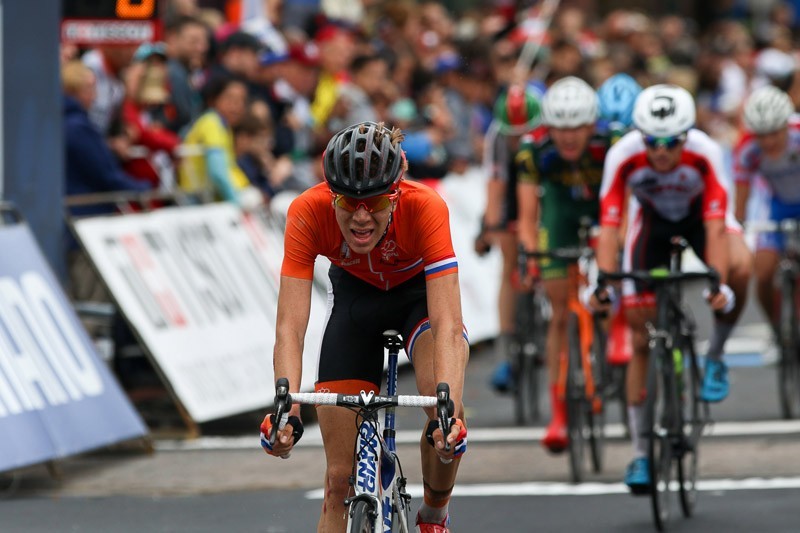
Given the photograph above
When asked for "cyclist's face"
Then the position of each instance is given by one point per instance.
(572, 142)
(663, 158)
(361, 229)
(773, 144)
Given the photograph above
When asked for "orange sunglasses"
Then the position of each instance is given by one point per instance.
(371, 204)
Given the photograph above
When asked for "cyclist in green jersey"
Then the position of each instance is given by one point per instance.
(516, 113)
(560, 168)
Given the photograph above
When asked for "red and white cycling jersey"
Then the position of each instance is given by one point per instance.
(696, 183)
(781, 174)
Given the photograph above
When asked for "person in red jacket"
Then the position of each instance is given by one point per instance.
(144, 113)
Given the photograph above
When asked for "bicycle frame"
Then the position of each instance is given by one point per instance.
(671, 333)
(377, 473)
(377, 477)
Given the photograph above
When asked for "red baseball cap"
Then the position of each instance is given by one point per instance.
(306, 54)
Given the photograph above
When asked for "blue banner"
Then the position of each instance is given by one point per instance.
(57, 397)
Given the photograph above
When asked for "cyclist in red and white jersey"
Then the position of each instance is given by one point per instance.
(672, 179)
(770, 150)
(393, 267)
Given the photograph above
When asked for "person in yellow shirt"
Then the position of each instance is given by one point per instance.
(336, 50)
(210, 162)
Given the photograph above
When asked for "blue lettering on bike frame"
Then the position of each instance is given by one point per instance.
(387, 514)
(368, 459)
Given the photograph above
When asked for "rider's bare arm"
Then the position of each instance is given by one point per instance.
(742, 194)
(717, 247)
(294, 307)
(450, 352)
(528, 214)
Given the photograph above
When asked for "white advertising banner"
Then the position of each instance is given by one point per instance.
(199, 286)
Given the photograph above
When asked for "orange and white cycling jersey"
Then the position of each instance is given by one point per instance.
(418, 238)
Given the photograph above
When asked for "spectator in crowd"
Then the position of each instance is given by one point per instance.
(293, 91)
(90, 168)
(450, 70)
(108, 62)
(187, 41)
(369, 76)
(90, 165)
(271, 69)
(424, 145)
(144, 115)
(336, 48)
(252, 142)
(212, 168)
(239, 56)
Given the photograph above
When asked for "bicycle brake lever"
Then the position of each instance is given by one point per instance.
(444, 410)
(282, 406)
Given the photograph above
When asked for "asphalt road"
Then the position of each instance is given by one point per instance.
(750, 464)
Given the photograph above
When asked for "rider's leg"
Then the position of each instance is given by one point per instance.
(636, 377)
(507, 296)
(715, 385)
(766, 263)
(437, 478)
(502, 377)
(636, 475)
(557, 292)
(338, 428)
(739, 272)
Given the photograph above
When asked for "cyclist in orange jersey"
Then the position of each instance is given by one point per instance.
(393, 267)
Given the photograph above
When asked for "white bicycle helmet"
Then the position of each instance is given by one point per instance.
(664, 111)
(768, 109)
(568, 103)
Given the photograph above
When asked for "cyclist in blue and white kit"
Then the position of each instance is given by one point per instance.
(615, 98)
(770, 150)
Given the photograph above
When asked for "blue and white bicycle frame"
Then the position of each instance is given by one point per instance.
(377, 476)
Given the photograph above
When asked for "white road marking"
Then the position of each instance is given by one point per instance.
(593, 489)
(313, 438)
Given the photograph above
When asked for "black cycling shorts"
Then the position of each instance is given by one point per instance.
(352, 355)
(651, 249)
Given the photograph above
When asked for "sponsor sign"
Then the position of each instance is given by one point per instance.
(57, 398)
(199, 285)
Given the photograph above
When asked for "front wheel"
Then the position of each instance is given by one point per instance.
(596, 406)
(362, 518)
(789, 364)
(528, 351)
(695, 417)
(657, 423)
(577, 416)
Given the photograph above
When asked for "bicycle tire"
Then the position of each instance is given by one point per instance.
(596, 412)
(659, 446)
(528, 347)
(789, 364)
(575, 397)
(361, 518)
(687, 461)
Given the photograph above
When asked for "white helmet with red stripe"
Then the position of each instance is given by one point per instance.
(664, 111)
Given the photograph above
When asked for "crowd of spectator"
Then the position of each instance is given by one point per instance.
(242, 96)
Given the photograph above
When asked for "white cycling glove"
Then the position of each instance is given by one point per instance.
(729, 296)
